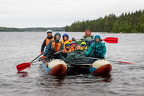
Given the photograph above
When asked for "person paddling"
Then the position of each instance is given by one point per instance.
(88, 38)
(53, 47)
(65, 38)
(97, 49)
(47, 40)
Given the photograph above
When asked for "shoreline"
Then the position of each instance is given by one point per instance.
(74, 32)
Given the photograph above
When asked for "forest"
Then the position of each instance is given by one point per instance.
(131, 22)
(33, 29)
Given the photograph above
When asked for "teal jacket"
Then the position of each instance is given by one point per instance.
(97, 50)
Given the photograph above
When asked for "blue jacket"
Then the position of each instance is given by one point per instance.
(96, 50)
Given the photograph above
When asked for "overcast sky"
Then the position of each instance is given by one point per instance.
(49, 13)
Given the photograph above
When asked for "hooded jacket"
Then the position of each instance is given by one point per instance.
(56, 44)
(97, 50)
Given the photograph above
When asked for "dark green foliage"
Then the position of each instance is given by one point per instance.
(126, 23)
(5, 29)
(44, 29)
(36, 29)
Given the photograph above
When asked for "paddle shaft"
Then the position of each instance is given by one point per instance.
(23, 66)
(55, 53)
(41, 54)
(36, 58)
(113, 60)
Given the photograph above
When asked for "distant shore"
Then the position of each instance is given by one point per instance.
(32, 29)
(125, 23)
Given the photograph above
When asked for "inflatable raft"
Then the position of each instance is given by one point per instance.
(58, 67)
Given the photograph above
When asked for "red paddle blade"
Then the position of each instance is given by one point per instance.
(23, 66)
(111, 40)
(126, 62)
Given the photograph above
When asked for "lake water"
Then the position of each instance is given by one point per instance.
(20, 47)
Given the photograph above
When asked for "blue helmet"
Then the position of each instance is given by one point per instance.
(66, 35)
(97, 36)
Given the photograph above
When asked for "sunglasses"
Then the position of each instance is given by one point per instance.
(67, 44)
(83, 45)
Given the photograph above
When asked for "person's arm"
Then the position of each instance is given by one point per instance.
(43, 45)
(90, 49)
(47, 48)
(104, 50)
(62, 47)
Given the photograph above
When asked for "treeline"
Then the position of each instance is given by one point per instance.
(44, 29)
(126, 22)
(5, 29)
(37, 29)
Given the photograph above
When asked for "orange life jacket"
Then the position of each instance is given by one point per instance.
(48, 40)
(65, 41)
(73, 48)
(66, 51)
(56, 46)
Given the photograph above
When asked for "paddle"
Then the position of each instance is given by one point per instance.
(111, 40)
(113, 61)
(23, 66)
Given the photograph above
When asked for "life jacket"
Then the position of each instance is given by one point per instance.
(48, 40)
(56, 46)
(72, 48)
(66, 51)
(89, 42)
(83, 48)
(66, 41)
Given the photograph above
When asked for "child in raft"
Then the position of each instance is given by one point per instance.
(73, 45)
(67, 47)
(65, 38)
(78, 47)
(83, 46)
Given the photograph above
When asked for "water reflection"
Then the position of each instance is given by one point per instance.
(103, 78)
(54, 81)
(22, 74)
(49, 81)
